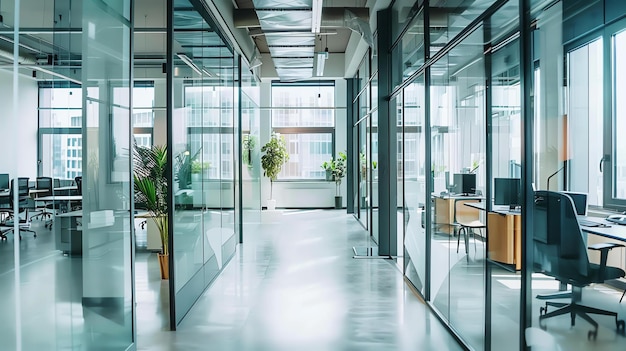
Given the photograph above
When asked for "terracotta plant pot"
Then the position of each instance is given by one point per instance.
(164, 264)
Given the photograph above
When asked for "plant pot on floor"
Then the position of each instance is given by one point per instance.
(164, 264)
(338, 202)
(271, 204)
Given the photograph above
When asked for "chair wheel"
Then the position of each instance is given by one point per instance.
(592, 335)
(620, 326)
(543, 310)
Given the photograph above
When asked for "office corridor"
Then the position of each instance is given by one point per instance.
(293, 285)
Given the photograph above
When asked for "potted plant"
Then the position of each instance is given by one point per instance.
(150, 189)
(249, 142)
(197, 168)
(184, 166)
(328, 167)
(338, 172)
(272, 162)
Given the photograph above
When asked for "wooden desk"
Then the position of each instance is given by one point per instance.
(444, 211)
(504, 234)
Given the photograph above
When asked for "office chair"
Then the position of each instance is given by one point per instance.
(22, 203)
(468, 219)
(49, 208)
(560, 252)
(79, 191)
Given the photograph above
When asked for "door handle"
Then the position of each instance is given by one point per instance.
(604, 158)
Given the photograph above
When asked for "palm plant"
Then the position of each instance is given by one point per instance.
(150, 185)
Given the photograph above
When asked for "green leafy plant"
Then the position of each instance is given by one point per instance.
(150, 186)
(275, 157)
(183, 162)
(374, 164)
(197, 166)
(339, 169)
(248, 143)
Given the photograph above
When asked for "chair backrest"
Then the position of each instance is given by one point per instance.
(56, 183)
(44, 183)
(465, 214)
(22, 192)
(22, 186)
(559, 245)
(79, 185)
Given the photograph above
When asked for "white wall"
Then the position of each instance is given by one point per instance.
(313, 194)
(20, 128)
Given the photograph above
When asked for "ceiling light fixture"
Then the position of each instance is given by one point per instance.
(316, 17)
(206, 72)
(189, 63)
(320, 59)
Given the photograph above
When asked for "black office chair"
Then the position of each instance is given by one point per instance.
(49, 208)
(560, 252)
(79, 191)
(22, 204)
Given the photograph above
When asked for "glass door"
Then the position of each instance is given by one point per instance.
(613, 164)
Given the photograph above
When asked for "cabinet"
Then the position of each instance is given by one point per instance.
(68, 232)
(504, 244)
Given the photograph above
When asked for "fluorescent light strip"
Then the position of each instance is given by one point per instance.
(316, 16)
(320, 59)
(189, 63)
(53, 73)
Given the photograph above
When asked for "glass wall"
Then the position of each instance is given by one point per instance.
(204, 155)
(458, 124)
(414, 165)
(250, 146)
(573, 300)
(51, 270)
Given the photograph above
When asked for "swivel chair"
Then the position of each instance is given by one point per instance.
(560, 251)
(22, 204)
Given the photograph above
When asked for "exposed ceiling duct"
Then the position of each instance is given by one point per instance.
(290, 29)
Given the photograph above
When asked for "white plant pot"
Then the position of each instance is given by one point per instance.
(271, 204)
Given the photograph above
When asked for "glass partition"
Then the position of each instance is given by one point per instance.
(203, 136)
(458, 144)
(107, 243)
(250, 148)
(414, 165)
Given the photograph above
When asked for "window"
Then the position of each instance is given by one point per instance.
(143, 112)
(304, 114)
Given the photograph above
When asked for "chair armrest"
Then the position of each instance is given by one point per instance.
(604, 249)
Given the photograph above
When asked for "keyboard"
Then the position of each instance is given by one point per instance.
(588, 223)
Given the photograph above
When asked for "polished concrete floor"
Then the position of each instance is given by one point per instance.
(294, 285)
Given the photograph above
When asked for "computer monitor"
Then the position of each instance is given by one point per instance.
(4, 181)
(580, 202)
(507, 191)
(465, 183)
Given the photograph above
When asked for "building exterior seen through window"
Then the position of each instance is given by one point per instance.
(304, 114)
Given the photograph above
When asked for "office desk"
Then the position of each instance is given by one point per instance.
(614, 234)
(504, 234)
(65, 189)
(62, 198)
(444, 211)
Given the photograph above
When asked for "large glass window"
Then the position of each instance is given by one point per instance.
(619, 116)
(60, 130)
(305, 115)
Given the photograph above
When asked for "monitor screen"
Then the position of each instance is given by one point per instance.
(4, 181)
(465, 183)
(507, 191)
(580, 202)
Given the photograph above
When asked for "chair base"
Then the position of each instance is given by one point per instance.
(574, 309)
